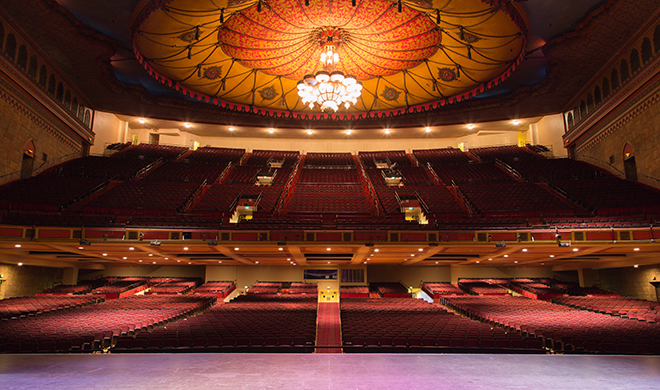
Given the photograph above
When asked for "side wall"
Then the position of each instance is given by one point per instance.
(631, 282)
(26, 280)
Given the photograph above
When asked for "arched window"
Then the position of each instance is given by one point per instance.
(81, 112)
(570, 120)
(576, 114)
(74, 105)
(590, 103)
(51, 85)
(67, 100)
(606, 87)
(60, 93)
(656, 39)
(88, 118)
(22, 57)
(597, 96)
(615, 79)
(32, 69)
(647, 52)
(634, 61)
(43, 75)
(583, 109)
(10, 46)
(625, 71)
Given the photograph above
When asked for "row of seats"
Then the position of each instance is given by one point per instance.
(625, 307)
(562, 328)
(18, 307)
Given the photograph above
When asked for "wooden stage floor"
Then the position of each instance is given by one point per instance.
(328, 371)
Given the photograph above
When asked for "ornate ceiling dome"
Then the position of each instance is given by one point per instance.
(250, 54)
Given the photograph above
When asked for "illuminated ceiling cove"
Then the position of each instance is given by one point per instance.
(249, 55)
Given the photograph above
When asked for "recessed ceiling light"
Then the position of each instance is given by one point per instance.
(327, 249)
(436, 262)
(412, 255)
(542, 263)
(20, 264)
(185, 248)
(81, 248)
(220, 262)
(636, 265)
(516, 122)
(575, 249)
(178, 261)
(428, 129)
(236, 248)
(131, 248)
(552, 255)
(154, 262)
(490, 259)
(516, 261)
(309, 132)
(525, 250)
(151, 254)
(328, 262)
(139, 261)
(189, 262)
(376, 250)
(364, 262)
(420, 249)
(187, 125)
(387, 131)
(348, 132)
(167, 258)
(280, 249)
(256, 262)
(636, 249)
(470, 126)
(17, 245)
(230, 128)
(271, 131)
(141, 120)
(506, 255)
(288, 259)
(105, 254)
(124, 257)
(477, 261)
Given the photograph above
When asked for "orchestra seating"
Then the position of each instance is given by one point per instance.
(534, 289)
(354, 292)
(222, 289)
(625, 307)
(260, 158)
(246, 324)
(172, 288)
(439, 289)
(414, 325)
(121, 288)
(303, 288)
(329, 160)
(562, 328)
(12, 308)
(391, 290)
(329, 198)
(95, 327)
(67, 290)
(264, 288)
(482, 287)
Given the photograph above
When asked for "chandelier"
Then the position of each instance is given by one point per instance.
(329, 88)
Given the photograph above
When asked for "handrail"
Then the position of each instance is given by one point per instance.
(425, 208)
(372, 190)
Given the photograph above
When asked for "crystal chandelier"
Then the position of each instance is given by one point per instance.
(329, 88)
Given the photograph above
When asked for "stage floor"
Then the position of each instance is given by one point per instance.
(328, 371)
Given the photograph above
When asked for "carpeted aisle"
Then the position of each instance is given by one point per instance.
(328, 327)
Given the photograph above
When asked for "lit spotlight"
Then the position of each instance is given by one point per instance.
(516, 261)
(376, 250)
(552, 255)
(428, 129)
(636, 265)
(153, 262)
(310, 132)
(124, 258)
(187, 125)
(281, 249)
(516, 122)
(348, 132)
(636, 249)
(105, 254)
(230, 128)
(271, 131)
(131, 248)
(575, 249)
(185, 248)
(470, 126)
(420, 249)
(220, 262)
(387, 131)
(17, 245)
(477, 261)
(524, 250)
(20, 264)
(506, 255)
(236, 248)
(327, 249)
(142, 121)
(80, 247)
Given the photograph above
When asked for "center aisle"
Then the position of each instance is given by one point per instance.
(328, 328)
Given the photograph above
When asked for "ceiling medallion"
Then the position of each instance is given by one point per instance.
(250, 55)
(390, 94)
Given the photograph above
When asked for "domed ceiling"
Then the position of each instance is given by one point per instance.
(249, 55)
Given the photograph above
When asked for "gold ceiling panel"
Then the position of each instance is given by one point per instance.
(250, 55)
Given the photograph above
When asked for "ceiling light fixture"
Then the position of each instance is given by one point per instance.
(470, 126)
(271, 131)
(348, 132)
(329, 88)
(516, 122)
(309, 132)
(230, 128)
(142, 121)
(187, 125)
(428, 129)
(387, 131)
(17, 245)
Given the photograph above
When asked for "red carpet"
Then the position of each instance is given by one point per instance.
(328, 328)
